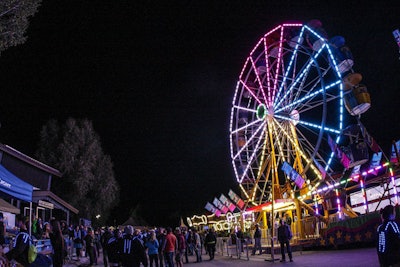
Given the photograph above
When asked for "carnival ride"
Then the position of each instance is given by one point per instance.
(298, 146)
(297, 141)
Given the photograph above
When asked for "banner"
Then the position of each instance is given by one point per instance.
(293, 175)
(356, 173)
(320, 168)
(220, 206)
(227, 202)
(369, 139)
(236, 199)
(394, 154)
(212, 209)
(375, 162)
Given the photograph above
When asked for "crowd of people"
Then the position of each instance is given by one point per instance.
(156, 247)
(122, 247)
(159, 247)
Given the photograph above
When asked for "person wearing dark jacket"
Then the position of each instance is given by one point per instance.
(104, 241)
(58, 243)
(132, 249)
(91, 246)
(388, 241)
(284, 236)
(161, 242)
(20, 249)
(257, 240)
(113, 252)
(211, 241)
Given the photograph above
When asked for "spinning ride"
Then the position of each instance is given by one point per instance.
(288, 113)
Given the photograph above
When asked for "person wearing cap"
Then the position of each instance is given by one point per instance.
(257, 240)
(388, 241)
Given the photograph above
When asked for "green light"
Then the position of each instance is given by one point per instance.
(261, 112)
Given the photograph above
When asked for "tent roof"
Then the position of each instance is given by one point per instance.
(13, 186)
(134, 222)
(7, 207)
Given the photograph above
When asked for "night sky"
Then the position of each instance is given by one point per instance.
(157, 81)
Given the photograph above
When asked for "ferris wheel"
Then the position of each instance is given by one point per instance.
(289, 109)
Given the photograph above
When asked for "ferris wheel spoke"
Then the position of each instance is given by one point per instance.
(247, 126)
(309, 124)
(267, 66)
(308, 65)
(258, 79)
(290, 65)
(251, 159)
(249, 141)
(279, 60)
(251, 92)
(304, 156)
(305, 99)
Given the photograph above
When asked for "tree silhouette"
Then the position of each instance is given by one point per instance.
(14, 21)
(87, 181)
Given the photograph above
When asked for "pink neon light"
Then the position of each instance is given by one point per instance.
(271, 31)
(258, 77)
(251, 92)
(267, 66)
(293, 24)
(338, 203)
(244, 67)
(394, 185)
(365, 173)
(278, 65)
(364, 196)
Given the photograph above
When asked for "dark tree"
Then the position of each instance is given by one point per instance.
(88, 181)
(14, 21)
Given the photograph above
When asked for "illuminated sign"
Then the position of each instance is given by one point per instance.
(293, 175)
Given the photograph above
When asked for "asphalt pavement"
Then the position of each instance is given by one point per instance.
(362, 257)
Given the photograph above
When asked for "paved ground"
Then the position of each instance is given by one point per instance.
(363, 257)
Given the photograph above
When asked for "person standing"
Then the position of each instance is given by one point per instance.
(189, 244)
(388, 241)
(139, 249)
(113, 252)
(104, 241)
(257, 240)
(240, 237)
(180, 251)
(284, 236)
(161, 245)
(20, 249)
(125, 247)
(57, 243)
(91, 246)
(197, 245)
(78, 241)
(170, 247)
(152, 248)
(211, 241)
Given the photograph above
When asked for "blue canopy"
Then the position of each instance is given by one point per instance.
(14, 186)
